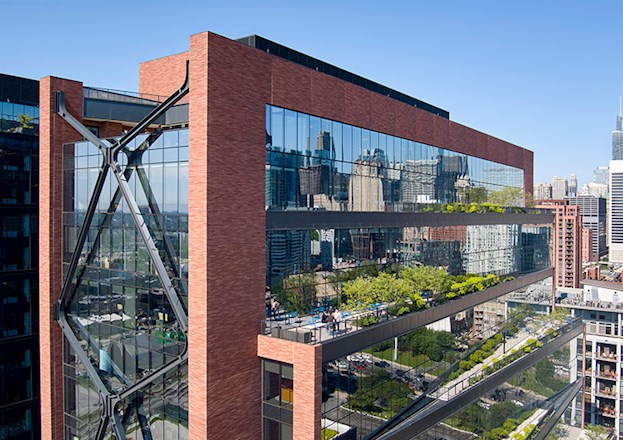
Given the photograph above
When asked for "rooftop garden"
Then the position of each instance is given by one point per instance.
(393, 290)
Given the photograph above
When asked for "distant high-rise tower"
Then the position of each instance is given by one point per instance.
(593, 213)
(567, 243)
(560, 188)
(600, 175)
(617, 138)
(573, 185)
(615, 212)
(543, 191)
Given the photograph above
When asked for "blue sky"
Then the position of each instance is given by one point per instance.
(546, 74)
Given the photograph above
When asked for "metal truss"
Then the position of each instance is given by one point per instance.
(112, 416)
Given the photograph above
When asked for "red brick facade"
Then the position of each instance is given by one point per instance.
(162, 76)
(307, 363)
(53, 133)
(230, 85)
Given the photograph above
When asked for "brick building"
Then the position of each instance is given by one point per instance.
(157, 219)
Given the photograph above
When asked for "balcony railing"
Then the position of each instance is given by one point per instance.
(606, 392)
(608, 375)
(608, 357)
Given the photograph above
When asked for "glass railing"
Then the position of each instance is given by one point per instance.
(122, 96)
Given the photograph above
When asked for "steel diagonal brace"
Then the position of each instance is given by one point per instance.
(110, 154)
(110, 162)
(134, 160)
(153, 207)
(101, 428)
(150, 246)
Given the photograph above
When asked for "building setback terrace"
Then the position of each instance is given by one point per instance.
(349, 335)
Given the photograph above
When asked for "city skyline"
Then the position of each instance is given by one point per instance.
(525, 88)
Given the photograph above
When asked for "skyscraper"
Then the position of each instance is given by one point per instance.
(593, 213)
(567, 243)
(560, 188)
(615, 212)
(600, 175)
(543, 191)
(573, 185)
(617, 139)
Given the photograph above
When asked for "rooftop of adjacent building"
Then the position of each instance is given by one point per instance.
(19, 90)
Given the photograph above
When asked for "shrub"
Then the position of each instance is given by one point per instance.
(367, 321)
(465, 365)
(393, 309)
(402, 310)
(489, 345)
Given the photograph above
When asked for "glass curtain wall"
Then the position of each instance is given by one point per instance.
(19, 260)
(118, 308)
(317, 163)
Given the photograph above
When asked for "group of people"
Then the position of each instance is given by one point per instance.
(272, 308)
(333, 319)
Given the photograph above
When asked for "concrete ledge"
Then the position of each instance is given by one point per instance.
(302, 220)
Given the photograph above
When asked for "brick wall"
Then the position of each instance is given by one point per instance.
(307, 364)
(162, 76)
(53, 132)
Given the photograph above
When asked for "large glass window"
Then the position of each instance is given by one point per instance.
(316, 163)
(278, 400)
(119, 310)
(19, 118)
(19, 259)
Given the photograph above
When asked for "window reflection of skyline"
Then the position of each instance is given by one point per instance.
(311, 161)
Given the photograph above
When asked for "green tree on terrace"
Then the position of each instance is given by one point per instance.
(477, 194)
(298, 292)
(508, 196)
(387, 288)
(426, 279)
(358, 292)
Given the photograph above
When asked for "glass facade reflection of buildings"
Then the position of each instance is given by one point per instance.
(314, 162)
(118, 309)
(19, 259)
